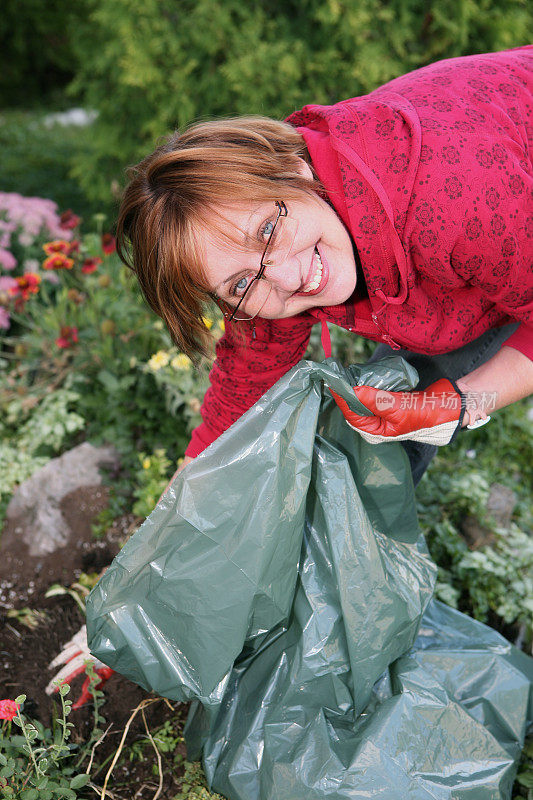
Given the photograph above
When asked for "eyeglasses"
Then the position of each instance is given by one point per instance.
(258, 290)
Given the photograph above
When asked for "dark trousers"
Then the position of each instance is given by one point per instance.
(454, 365)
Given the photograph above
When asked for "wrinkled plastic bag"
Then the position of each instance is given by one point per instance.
(282, 584)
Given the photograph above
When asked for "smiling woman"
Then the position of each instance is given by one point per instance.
(404, 216)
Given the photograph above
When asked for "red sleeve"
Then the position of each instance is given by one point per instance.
(244, 369)
(522, 340)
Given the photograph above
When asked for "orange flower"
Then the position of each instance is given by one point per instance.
(91, 264)
(58, 261)
(26, 284)
(69, 220)
(108, 243)
(68, 336)
(57, 246)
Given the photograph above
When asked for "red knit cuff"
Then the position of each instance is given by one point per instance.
(202, 436)
(522, 340)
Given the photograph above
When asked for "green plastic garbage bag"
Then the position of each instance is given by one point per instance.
(282, 584)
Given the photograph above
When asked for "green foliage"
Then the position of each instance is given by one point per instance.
(51, 423)
(151, 480)
(194, 785)
(37, 52)
(523, 787)
(39, 763)
(25, 448)
(158, 64)
(495, 581)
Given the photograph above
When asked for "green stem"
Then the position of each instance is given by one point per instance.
(28, 742)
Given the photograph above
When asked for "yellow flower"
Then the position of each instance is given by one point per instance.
(221, 325)
(147, 463)
(158, 360)
(181, 361)
(158, 324)
(208, 322)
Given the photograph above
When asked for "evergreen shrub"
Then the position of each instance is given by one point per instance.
(150, 66)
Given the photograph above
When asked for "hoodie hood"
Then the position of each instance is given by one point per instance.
(368, 182)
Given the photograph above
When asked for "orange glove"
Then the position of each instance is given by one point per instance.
(433, 415)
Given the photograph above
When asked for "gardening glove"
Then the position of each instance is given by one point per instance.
(74, 656)
(433, 415)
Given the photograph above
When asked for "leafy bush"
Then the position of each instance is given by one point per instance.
(37, 51)
(160, 64)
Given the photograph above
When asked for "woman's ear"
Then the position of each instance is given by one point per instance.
(305, 170)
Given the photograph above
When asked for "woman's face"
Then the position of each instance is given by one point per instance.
(312, 256)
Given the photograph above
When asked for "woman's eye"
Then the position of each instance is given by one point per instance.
(266, 230)
(240, 286)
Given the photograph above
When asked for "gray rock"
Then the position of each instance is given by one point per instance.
(35, 506)
(500, 504)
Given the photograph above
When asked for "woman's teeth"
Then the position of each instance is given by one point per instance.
(317, 277)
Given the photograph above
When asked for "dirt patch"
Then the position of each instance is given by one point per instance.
(25, 654)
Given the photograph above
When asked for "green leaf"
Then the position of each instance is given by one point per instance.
(29, 794)
(109, 381)
(20, 699)
(64, 689)
(3, 760)
(7, 772)
(525, 779)
(64, 791)
(79, 780)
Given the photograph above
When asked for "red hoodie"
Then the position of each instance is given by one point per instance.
(432, 174)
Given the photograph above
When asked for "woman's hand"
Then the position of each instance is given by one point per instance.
(431, 416)
(434, 415)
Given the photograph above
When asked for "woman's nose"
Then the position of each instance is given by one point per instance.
(285, 275)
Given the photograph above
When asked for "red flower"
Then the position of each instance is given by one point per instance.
(26, 284)
(8, 709)
(69, 220)
(108, 243)
(68, 336)
(57, 246)
(91, 264)
(58, 261)
(74, 247)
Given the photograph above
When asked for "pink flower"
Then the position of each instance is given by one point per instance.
(5, 321)
(8, 709)
(7, 260)
(7, 283)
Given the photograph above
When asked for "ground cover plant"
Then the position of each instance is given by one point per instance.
(83, 359)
